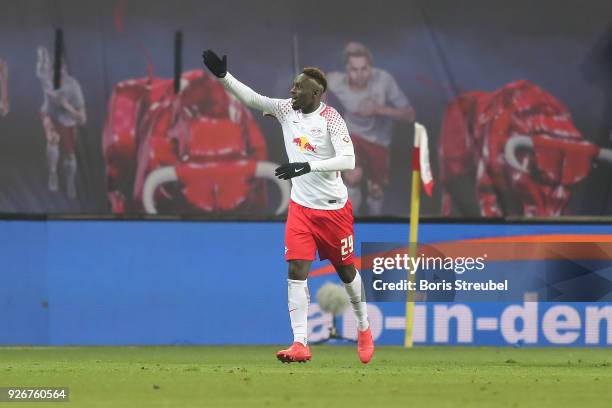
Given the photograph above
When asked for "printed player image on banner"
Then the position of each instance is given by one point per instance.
(106, 108)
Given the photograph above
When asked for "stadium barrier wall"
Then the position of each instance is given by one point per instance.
(168, 282)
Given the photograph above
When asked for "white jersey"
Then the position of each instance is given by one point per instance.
(310, 137)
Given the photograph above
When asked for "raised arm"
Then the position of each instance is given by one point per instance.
(43, 64)
(218, 67)
(248, 96)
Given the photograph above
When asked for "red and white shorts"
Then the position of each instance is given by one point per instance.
(67, 135)
(328, 231)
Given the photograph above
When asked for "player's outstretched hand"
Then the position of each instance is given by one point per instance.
(291, 170)
(216, 65)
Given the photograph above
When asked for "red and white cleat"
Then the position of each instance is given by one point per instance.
(365, 345)
(297, 353)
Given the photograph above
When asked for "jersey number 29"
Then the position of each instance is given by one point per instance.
(347, 245)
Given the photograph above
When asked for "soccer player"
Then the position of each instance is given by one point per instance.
(63, 109)
(4, 100)
(320, 214)
(371, 100)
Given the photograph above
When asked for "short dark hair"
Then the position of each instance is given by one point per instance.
(317, 75)
(357, 49)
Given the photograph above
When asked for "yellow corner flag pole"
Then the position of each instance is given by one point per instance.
(414, 231)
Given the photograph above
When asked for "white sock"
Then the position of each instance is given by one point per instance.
(299, 298)
(374, 206)
(357, 296)
(70, 167)
(52, 157)
(355, 195)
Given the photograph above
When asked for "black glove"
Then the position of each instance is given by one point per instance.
(291, 170)
(215, 64)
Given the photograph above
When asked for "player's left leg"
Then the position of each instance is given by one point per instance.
(351, 278)
(67, 144)
(354, 288)
(53, 151)
(334, 237)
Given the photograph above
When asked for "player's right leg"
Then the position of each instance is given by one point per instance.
(52, 160)
(300, 251)
(53, 151)
(298, 301)
(67, 147)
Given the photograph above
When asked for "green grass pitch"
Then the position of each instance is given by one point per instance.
(251, 376)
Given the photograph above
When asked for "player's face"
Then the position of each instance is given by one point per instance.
(359, 71)
(303, 92)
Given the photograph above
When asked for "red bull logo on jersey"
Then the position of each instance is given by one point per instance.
(302, 143)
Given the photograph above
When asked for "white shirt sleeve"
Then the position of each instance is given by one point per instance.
(338, 163)
(338, 133)
(394, 94)
(278, 107)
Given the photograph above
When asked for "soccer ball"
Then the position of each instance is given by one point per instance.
(332, 298)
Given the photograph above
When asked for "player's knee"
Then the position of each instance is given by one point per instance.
(346, 272)
(298, 269)
(376, 191)
(353, 177)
